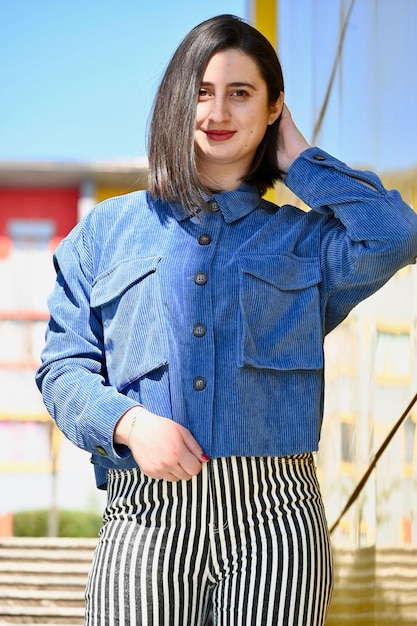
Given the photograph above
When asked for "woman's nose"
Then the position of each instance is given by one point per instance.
(219, 111)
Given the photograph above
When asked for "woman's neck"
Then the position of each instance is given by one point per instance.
(219, 178)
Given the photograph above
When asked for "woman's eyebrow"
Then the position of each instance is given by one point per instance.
(234, 84)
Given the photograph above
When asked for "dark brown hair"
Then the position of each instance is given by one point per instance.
(173, 171)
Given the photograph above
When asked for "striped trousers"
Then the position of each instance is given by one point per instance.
(244, 543)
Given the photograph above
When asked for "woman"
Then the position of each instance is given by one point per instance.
(185, 346)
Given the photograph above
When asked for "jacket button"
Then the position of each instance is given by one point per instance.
(214, 206)
(199, 383)
(204, 240)
(101, 451)
(199, 330)
(200, 278)
(319, 157)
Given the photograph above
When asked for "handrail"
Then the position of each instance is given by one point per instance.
(373, 463)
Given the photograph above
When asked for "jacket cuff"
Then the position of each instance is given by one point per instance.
(320, 179)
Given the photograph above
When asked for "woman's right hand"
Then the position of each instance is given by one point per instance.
(161, 447)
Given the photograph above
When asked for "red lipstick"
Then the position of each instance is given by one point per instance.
(219, 135)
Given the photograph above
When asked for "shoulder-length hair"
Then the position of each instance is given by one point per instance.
(173, 174)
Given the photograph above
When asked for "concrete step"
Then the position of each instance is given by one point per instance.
(57, 612)
(67, 543)
(58, 597)
(42, 580)
(44, 568)
(49, 542)
(50, 581)
(44, 554)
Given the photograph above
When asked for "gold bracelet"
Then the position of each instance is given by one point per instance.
(132, 424)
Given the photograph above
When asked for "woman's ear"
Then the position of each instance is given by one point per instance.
(275, 109)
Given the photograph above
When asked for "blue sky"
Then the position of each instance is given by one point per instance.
(78, 76)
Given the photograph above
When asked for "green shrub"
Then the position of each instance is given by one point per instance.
(70, 524)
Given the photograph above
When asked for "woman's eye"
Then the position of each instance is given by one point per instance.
(203, 94)
(240, 93)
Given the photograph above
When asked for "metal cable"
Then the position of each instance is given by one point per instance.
(319, 122)
(372, 465)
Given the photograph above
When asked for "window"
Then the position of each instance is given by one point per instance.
(341, 350)
(409, 439)
(348, 442)
(26, 445)
(31, 233)
(393, 358)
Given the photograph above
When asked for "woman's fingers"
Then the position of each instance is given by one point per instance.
(291, 143)
(164, 449)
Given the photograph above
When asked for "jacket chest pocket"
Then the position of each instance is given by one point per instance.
(280, 317)
(129, 300)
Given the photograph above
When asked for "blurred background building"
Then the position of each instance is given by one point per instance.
(40, 202)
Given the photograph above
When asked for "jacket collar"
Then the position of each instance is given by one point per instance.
(233, 205)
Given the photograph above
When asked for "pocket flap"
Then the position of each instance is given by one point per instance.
(114, 282)
(285, 271)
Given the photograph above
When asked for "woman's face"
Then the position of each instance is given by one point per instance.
(233, 112)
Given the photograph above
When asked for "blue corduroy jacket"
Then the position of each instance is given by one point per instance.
(216, 321)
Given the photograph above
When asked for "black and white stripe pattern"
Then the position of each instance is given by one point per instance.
(244, 543)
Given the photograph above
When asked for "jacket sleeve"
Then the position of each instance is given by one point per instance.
(72, 377)
(369, 233)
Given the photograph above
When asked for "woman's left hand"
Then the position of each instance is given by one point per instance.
(291, 142)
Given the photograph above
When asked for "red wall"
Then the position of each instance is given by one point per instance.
(58, 204)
